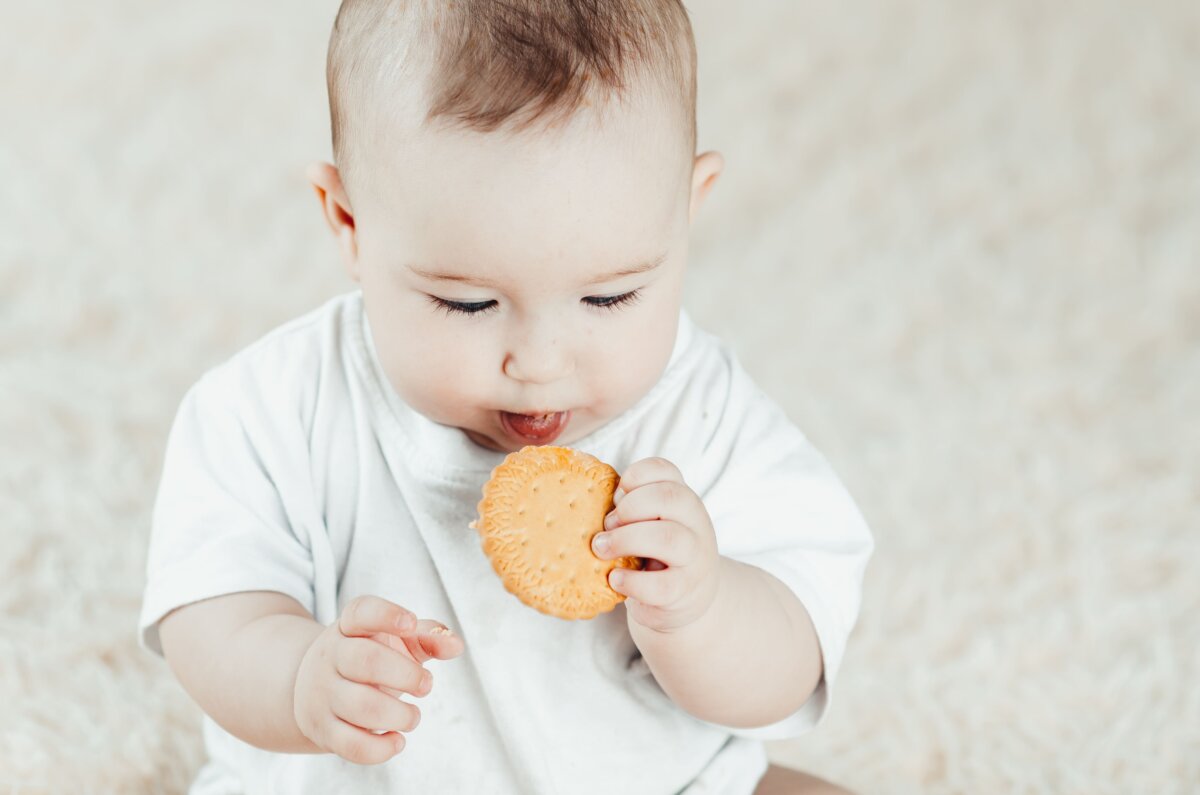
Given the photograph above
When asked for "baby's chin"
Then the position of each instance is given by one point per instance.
(485, 442)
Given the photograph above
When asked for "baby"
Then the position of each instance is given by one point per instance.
(514, 186)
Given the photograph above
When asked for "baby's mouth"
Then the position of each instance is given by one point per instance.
(535, 428)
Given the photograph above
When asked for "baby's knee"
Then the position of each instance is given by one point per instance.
(779, 780)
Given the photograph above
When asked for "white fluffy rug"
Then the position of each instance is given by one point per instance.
(959, 240)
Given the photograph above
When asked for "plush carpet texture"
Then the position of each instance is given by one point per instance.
(958, 240)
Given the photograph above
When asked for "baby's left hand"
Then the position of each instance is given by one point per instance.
(659, 518)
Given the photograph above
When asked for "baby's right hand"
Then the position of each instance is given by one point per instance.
(350, 679)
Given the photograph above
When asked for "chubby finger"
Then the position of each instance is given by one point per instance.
(364, 616)
(369, 662)
(659, 500)
(359, 745)
(368, 708)
(437, 640)
(653, 588)
(646, 471)
(662, 540)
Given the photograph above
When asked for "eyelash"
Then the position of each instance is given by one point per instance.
(613, 302)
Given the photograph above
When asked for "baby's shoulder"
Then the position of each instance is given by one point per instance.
(708, 405)
(282, 370)
(715, 391)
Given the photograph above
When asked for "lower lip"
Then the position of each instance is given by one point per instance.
(545, 437)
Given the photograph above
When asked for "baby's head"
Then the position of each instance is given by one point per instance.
(513, 191)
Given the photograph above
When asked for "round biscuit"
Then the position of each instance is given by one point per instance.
(540, 509)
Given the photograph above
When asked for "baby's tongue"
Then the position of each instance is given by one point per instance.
(536, 427)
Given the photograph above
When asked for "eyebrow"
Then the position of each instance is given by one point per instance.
(640, 267)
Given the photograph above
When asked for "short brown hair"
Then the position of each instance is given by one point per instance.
(496, 63)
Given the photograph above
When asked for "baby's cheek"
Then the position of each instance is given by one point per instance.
(429, 384)
(452, 390)
(628, 377)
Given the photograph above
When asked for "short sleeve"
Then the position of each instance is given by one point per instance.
(778, 505)
(219, 523)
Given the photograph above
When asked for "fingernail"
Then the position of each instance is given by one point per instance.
(610, 521)
(426, 682)
(616, 577)
(600, 543)
(406, 621)
(617, 495)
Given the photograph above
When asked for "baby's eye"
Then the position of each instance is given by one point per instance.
(614, 301)
(458, 307)
(478, 307)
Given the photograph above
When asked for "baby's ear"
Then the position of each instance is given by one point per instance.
(705, 170)
(335, 207)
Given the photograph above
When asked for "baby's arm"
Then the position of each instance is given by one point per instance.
(760, 653)
(237, 656)
(261, 667)
(727, 641)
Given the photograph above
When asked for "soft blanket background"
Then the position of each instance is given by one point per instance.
(958, 240)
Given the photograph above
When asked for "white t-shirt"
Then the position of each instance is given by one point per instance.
(295, 467)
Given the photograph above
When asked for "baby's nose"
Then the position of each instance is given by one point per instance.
(539, 364)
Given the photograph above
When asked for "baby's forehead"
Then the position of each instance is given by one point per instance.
(529, 208)
(628, 152)
(617, 166)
